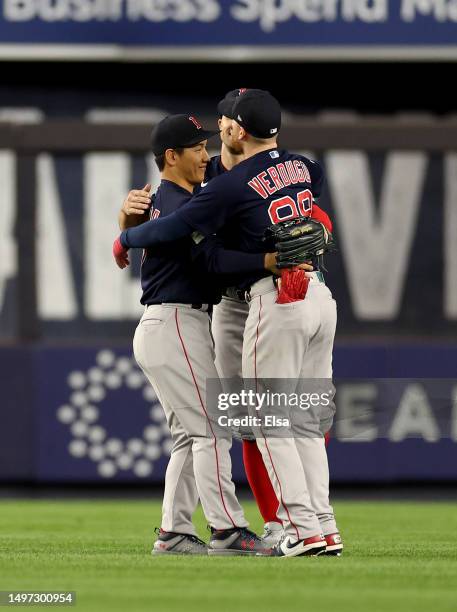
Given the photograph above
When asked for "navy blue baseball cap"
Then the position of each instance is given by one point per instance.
(178, 131)
(225, 106)
(258, 112)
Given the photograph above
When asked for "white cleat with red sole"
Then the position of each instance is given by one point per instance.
(313, 546)
(334, 545)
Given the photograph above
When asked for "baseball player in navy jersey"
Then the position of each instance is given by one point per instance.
(228, 325)
(173, 346)
(269, 186)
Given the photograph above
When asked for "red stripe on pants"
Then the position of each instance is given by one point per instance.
(266, 443)
(207, 418)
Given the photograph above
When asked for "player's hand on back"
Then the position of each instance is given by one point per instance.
(270, 265)
(138, 201)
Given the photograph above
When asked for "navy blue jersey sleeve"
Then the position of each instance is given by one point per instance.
(172, 227)
(208, 211)
(317, 177)
(210, 254)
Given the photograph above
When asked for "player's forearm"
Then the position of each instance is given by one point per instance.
(126, 221)
(209, 253)
(136, 206)
(222, 261)
(155, 232)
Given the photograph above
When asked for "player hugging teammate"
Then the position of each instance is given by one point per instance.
(273, 320)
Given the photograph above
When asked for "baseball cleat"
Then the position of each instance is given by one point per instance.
(313, 546)
(170, 543)
(236, 541)
(273, 533)
(334, 545)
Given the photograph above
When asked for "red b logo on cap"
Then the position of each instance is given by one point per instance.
(195, 122)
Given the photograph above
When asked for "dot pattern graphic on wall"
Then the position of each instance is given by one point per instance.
(90, 440)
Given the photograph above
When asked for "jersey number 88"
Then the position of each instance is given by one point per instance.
(285, 208)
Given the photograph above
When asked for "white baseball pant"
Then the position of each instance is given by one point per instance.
(173, 347)
(294, 341)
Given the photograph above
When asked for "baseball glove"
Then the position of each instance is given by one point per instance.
(300, 240)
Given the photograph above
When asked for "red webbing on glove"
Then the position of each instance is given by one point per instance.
(294, 285)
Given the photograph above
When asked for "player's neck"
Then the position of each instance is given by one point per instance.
(173, 177)
(229, 160)
(252, 148)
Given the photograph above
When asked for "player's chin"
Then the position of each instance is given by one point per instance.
(201, 174)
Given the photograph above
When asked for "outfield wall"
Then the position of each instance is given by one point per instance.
(87, 414)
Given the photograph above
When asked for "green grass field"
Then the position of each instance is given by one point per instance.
(399, 556)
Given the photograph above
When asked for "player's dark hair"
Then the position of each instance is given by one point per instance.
(160, 159)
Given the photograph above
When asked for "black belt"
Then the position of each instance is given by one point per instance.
(197, 306)
(235, 294)
(209, 307)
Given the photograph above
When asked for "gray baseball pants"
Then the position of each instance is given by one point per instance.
(228, 322)
(173, 347)
(294, 341)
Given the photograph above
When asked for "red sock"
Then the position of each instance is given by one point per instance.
(259, 481)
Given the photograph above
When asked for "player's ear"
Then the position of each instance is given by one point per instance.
(242, 134)
(170, 157)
